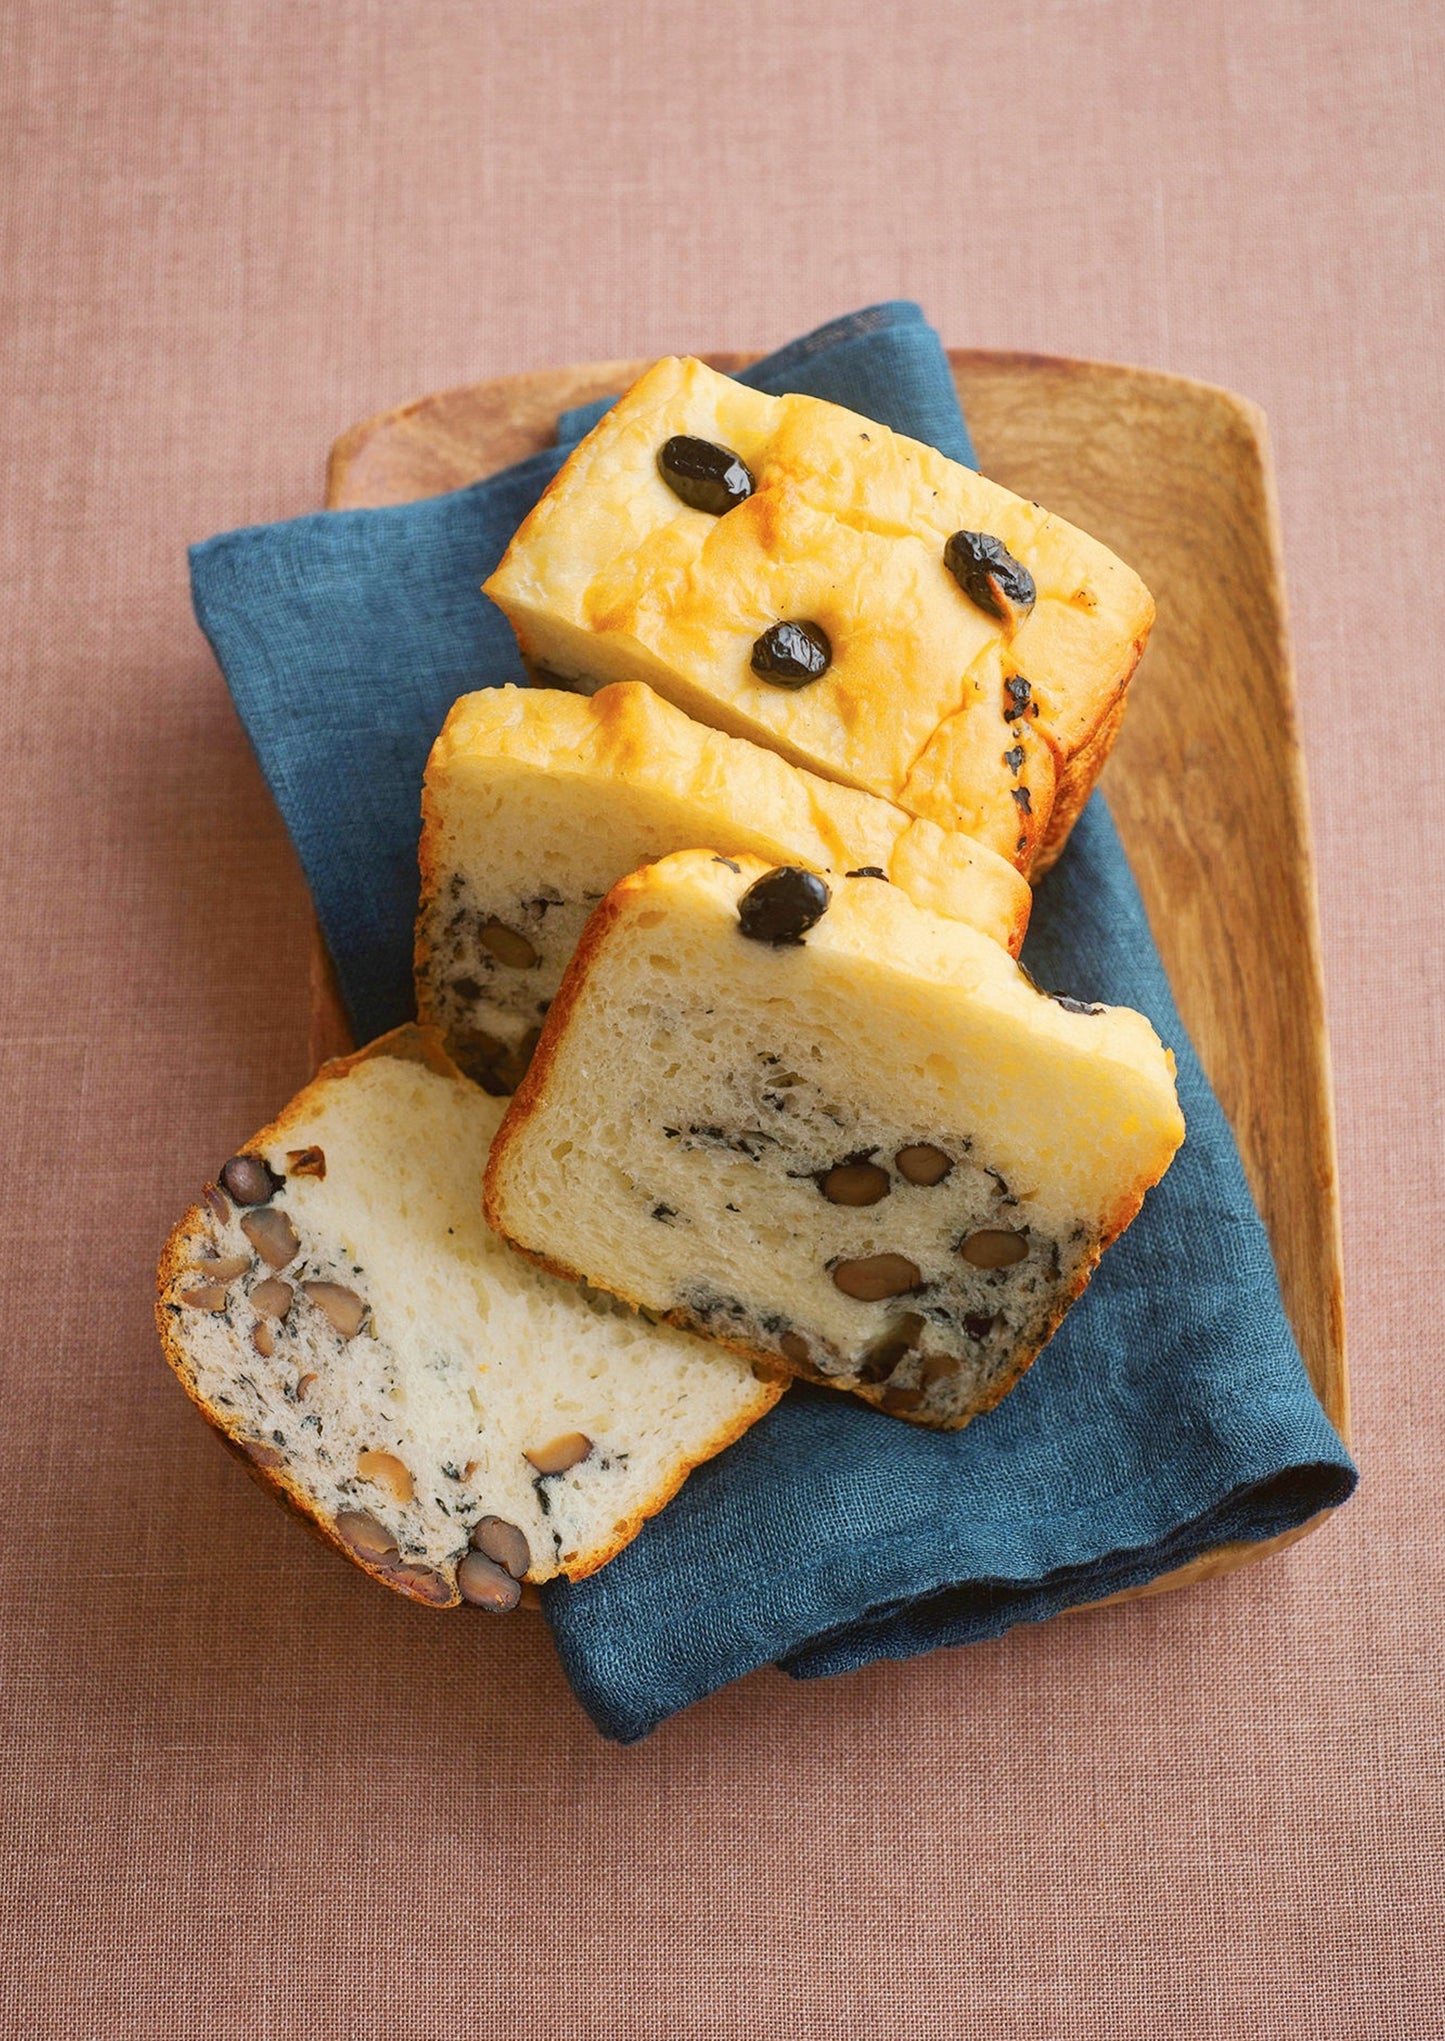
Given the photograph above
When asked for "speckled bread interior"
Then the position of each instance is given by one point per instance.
(388, 1365)
(990, 724)
(878, 1156)
(536, 801)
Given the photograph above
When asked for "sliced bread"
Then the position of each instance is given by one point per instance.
(448, 1417)
(833, 1130)
(537, 801)
(803, 577)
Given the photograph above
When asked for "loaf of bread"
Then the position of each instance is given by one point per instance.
(537, 801)
(803, 577)
(833, 1130)
(451, 1419)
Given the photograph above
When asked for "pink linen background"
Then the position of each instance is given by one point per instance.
(246, 1795)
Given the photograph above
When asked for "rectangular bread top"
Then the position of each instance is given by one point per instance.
(537, 801)
(945, 690)
(337, 1307)
(830, 1128)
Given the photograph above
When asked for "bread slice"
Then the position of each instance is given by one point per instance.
(537, 801)
(337, 1308)
(969, 651)
(864, 1146)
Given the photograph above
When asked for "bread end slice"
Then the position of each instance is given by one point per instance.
(452, 1421)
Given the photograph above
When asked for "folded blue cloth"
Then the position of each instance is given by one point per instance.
(1172, 1412)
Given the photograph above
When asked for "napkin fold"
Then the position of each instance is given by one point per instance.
(1172, 1412)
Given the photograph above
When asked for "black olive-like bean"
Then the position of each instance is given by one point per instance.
(995, 1247)
(921, 1163)
(1073, 1005)
(421, 1584)
(783, 905)
(363, 1535)
(875, 1276)
(989, 575)
(706, 476)
(486, 1584)
(1018, 691)
(250, 1179)
(503, 1542)
(272, 1235)
(560, 1455)
(508, 945)
(792, 654)
(860, 1182)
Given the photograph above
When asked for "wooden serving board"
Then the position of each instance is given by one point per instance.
(1206, 781)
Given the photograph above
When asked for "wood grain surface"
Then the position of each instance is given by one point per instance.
(1206, 781)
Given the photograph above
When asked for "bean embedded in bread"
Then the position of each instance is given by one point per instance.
(848, 598)
(452, 1419)
(537, 801)
(838, 1133)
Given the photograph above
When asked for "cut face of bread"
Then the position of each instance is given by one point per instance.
(831, 1129)
(337, 1307)
(803, 577)
(536, 802)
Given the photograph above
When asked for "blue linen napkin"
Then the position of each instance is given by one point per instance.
(1171, 1413)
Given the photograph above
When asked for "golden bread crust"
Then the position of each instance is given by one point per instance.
(613, 577)
(528, 1095)
(1078, 779)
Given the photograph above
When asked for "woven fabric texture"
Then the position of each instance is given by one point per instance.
(243, 1794)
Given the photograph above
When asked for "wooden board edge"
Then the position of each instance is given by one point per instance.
(989, 360)
(1211, 1565)
(348, 447)
(520, 392)
(1334, 1391)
